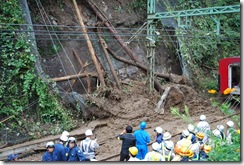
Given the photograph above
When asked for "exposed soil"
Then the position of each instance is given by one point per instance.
(132, 104)
(121, 108)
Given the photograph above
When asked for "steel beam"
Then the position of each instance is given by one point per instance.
(196, 12)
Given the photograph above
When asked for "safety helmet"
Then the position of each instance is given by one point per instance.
(88, 132)
(200, 135)
(133, 151)
(216, 132)
(185, 151)
(65, 133)
(159, 130)
(156, 146)
(166, 136)
(185, 133)
(143, 125)
(202, 117)
(191, 128)
(72, 140)
(63, 138)
(50, 144)
(221, 128)
(230, 123)
(207, 148)
(170, 145)
(191, 153)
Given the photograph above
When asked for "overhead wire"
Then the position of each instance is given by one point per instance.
(64, 53)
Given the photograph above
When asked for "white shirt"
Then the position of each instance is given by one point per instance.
(153, 156)
(88, 147)
(134, 159)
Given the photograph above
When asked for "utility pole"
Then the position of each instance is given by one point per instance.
(151, 42)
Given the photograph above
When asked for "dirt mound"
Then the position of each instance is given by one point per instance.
(135, 101)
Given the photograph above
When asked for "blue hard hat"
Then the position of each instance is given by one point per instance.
(12, 157)
(143, 125)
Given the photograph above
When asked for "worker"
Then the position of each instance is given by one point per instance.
(217, 133)
(48, 155)
(128, 140)
(13, 157)
(89, 146)
(192, 136)
(154, 155)
(203, 126)
(142, 139)
(166, 139)
(186, 154)
(230, 130)
(221, 128)
(168, 152)
(133, 152)
(66, 133)
(206, 150)
(59, 148)
(200, 144)
(73, 153)
(159, 135)
(185, 141)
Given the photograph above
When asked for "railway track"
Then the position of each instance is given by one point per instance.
(33, 147)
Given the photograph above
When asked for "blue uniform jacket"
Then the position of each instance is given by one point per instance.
(159, 138)
(142, 137)
(75, 154)
(49, 157)
(59, 151)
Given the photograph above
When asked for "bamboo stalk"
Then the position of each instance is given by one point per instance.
(89, 44)
(73, 76)
(104, 46)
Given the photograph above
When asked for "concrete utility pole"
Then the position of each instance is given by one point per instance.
(90, 47)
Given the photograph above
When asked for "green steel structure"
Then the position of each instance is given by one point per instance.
(152, 17)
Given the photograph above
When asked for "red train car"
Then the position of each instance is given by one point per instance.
(229, 74)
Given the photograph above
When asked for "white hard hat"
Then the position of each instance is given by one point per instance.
(221, 128)
(166, 136)
(216, 132)
(65, 133)
(170, 145)
(50, 144)
(63, 138)
(72, 139)
(202, 117)
(230, 123)
(159, 130)
(156, 146)
(191, 128)
(185, 133)
(88, 132)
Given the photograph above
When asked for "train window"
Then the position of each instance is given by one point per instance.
(234, 77)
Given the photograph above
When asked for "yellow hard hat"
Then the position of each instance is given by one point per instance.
(212, 91)
(191, 153)
(200, 135)
(184, 151)
(207, 148)
(227, 91)
(238, 131)
(133, 151)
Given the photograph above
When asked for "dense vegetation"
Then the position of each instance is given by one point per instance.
(26, 101)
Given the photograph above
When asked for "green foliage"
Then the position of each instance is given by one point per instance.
(24, 95)
(138, 5)
(185, 117)
(200, 46)
(222, 149)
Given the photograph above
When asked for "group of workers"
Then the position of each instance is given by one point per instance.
(194, 144)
